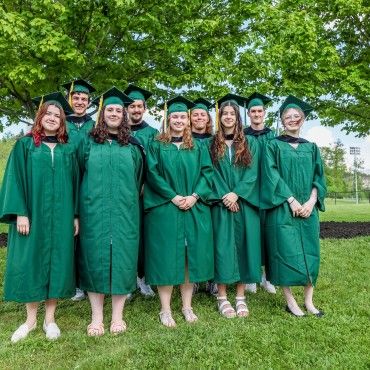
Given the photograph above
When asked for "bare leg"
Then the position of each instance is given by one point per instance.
(165, 293)
(241, 304)
(240, 289)
(96, 327)
(118, 325)
(50, 307)
(31, 313)
(186, 290)
(308, 296)
(291, 302)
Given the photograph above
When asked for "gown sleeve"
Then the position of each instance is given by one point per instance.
(139, 163)
(13, 194)
(247, 187)
(157, 191)
(204, 185)
(319, 179)
(274, 191)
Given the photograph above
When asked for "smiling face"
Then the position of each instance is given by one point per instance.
(50, 122)
(293, 120)
(135, 112)
(228, 117)
(113, 116)
(257, 115)
(80, 102)
(178, 121)
(199, 119)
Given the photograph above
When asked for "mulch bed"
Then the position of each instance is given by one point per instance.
(331, 229)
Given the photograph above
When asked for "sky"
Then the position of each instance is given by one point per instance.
(312, 130)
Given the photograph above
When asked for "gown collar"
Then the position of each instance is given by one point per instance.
(251, 131)
(292, 139)
(139, 126)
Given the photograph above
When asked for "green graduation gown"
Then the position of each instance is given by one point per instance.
(173, 235)
(237, 235)
(143, 133)
(262, 137)
(292, 242)
(110, 217)
(79, 127)
(43, 185)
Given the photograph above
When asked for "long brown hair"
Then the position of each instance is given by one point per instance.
(37, 131)
(165, 137)
(100, 132)
(243, 155)
(209, 125)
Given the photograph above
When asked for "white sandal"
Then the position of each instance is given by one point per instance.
(189, 315)
(22, 332)
(167, 319)
(227, 312)
(241, 307)
(51, 330)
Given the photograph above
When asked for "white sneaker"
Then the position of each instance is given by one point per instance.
(145, 289)
(251, 288)
(267, 285)
(51, 330)
(79, 296)
(22, 332)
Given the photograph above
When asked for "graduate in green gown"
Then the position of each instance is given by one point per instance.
(177, 223)
(256, 112)
(111, 163)
(235, 214)
(293, 190)
(144, 133)
(39, 201)
(79, 123)
(200, 119)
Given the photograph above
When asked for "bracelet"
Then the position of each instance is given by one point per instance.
(291, 201)
(195, 195)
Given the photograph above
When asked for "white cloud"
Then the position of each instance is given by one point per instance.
(320, 135)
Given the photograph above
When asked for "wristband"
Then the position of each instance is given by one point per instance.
(291, 201)
(195, 195)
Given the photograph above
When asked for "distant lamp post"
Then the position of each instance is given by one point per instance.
(355, 151)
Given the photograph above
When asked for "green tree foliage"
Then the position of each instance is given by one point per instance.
(335, 168)
(318, 50)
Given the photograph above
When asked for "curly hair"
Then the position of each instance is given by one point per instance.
(37, 131)
(209, 125)
(165, 137)
(243, 156)
(100, 132)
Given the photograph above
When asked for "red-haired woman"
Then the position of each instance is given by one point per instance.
(38, 200)
(235, 214)
(112, 165)
(178, 229)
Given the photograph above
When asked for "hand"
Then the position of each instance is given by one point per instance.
(178, 200)
(23, 225)
(76, 224)
(190, 200)
(229, 199)
(296, 207)
(234, 207)
(307, 208)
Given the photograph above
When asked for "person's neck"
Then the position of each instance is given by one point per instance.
(50, 133)
(135, 123)
(229, 131)
(113, 131)
(79, 115)
(196, 131)
(177, 134)
(257, 127)
(292, 133)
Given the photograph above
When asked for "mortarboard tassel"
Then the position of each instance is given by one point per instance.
(216, 121)
(165, 118)
(70, 93)
(99, 110)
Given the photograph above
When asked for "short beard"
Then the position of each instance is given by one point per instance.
(134, 121)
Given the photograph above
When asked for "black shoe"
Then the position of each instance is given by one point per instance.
(287, 309)
(317, 314)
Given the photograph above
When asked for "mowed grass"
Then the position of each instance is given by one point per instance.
(347, 212)
(269, 339)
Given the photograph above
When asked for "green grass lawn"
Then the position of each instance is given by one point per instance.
(269, 339)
